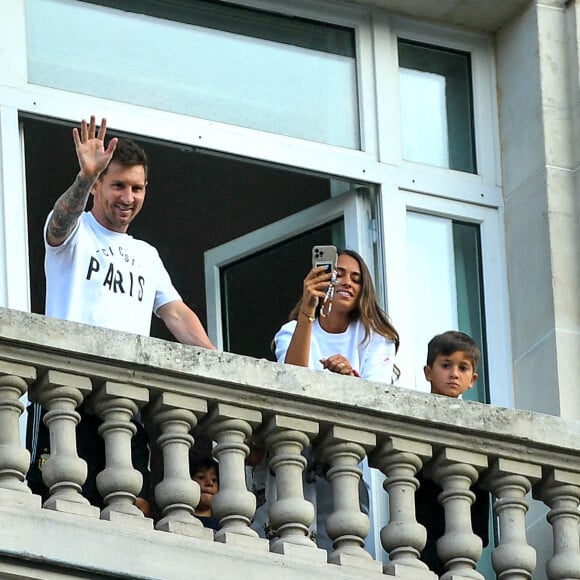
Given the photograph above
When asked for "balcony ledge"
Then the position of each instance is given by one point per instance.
(508, 452)
(259, 384)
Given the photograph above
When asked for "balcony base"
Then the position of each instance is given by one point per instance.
(361, 563)
(301, 552)
(128, 520)
(185, 529)
(60, 545)
(72, 507)
(246, 542)
(19, 499)
(414, 572)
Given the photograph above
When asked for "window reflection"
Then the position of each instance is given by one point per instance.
(446, 288)
(288, 76)
(436, 106)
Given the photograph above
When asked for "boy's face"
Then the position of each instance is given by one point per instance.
(208, 485)
(451, 375)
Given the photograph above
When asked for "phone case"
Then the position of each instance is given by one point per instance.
(324, 256)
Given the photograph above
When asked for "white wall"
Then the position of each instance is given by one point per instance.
(537, 59)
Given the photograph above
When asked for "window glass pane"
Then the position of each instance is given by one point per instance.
(293, 77)
(436, 106)
(431, 285)
(446, 288)
(247, 22)
(468, 282)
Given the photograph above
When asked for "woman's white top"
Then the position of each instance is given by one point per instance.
(373, 359)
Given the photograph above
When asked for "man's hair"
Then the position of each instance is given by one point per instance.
(128, 153)
(452, 341)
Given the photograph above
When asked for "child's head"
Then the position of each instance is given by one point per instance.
(206, 474)
(452, 359)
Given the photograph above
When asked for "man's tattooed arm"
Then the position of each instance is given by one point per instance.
(67, 209)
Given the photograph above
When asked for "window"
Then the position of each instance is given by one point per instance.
(446, 288)
(436, 106)
(210, 60)
(377, 86)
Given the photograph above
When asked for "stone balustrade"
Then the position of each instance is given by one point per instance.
(237, 401)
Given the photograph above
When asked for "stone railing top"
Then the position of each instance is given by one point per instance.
(110, 355)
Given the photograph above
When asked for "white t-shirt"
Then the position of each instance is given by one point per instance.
(105, 278)
(373, 359)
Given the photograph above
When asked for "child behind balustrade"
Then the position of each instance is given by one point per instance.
(206, 473)
(451, 369)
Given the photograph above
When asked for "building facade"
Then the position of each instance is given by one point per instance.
(438, 140)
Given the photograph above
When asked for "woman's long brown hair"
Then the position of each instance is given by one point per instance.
(367, 310)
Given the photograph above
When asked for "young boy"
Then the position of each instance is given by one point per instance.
(452, 359)
(206, 473)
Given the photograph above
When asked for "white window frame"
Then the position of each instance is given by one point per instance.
(400, 184)
(482, 187)
(494, 281)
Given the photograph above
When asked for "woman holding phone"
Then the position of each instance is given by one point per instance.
(339, 326)
(347, 333)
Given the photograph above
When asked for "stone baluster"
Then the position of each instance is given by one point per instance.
(403, 537)
(64, 471)
(509, 481)
(14, 459)
(119, 483)
(174, 415)
(560, 490)
(290, 515)
(233, 505)
(455, 471)
(343, 449)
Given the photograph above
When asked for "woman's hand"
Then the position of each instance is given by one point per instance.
(338, 363)
(314, 289)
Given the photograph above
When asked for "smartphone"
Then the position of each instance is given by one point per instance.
(326, 256)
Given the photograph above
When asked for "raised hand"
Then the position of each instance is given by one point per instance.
(93, 159)
(90, 147)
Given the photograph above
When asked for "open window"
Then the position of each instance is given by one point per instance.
(252, 282)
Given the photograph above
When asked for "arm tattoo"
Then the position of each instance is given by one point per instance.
(67, 209)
